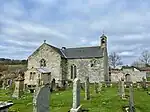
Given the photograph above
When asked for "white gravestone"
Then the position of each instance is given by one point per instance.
(76, 96)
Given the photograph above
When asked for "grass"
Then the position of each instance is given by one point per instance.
(106, 101)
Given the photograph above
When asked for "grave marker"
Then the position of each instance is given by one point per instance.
(87, 92)
(131, 101)
(76, 107)
(41, 99)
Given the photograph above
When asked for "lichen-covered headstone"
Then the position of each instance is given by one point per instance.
(41, 99)
(87, 91)
(76, 107)
(19, 87)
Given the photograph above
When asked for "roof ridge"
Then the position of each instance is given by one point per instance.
(83, 47)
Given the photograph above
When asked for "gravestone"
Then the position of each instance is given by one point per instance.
(122, 88)
(87, 91)
(131, 101)
(96, 87)
(53, 85)
(76, 107)
(41, 99)
(144, 83)
(119, 87)
(19, 87)
(138, 85)
(4, 106)
(4, 84)
(100, 86)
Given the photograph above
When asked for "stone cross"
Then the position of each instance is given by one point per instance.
(76, 107)
(87, 91)
(41, 99)
(131, 101)
(96, 87)
(122, 88)
(19, 87)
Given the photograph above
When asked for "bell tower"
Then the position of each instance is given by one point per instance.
(103, 41)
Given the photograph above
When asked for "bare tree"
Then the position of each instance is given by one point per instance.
(114, 60)
(145, 57)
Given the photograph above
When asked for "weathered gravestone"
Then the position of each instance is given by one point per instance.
(4, 106)
(144, 84)
(131, 101)
(96, 87)
(41, 99)
(87, 91)
(4, 84)
(19, 87)
(119, 87)
(53, 85)
(122, 88)
(100, 86)
(76, 107)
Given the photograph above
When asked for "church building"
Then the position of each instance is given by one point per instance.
(65, 64)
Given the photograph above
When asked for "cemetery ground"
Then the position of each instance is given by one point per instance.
(105, 101)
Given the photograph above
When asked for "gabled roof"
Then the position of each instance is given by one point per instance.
(76, 53)
(83, 52)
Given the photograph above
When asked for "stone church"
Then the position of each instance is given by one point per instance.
(65, 64)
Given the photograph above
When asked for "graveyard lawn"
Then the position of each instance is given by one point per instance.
(106, 101)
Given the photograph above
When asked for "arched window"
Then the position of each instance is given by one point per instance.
(73, 71)
(128, 78)
(42, 63)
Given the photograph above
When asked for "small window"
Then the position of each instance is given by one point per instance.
(73, 71)
(30, 76)
(93, 62)
(42, 63)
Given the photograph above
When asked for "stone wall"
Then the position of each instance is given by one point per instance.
(53, 60)
(136, 76)
(95, 73)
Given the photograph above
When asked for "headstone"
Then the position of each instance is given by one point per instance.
(144, 83)
(4, 106)
(41, 99)
(87, 91)
(119, 88)
(53, 85)
(96, 87)
(76, 107)
(138, 85)
(122, 88)
(131, 101)
(100, 86)
(19, 87)
(4, 84)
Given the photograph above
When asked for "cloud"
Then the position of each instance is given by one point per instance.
(25, 24)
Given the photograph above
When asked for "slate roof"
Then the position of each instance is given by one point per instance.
(76, 53)
(83, 52)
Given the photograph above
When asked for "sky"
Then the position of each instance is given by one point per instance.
(24, 24)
